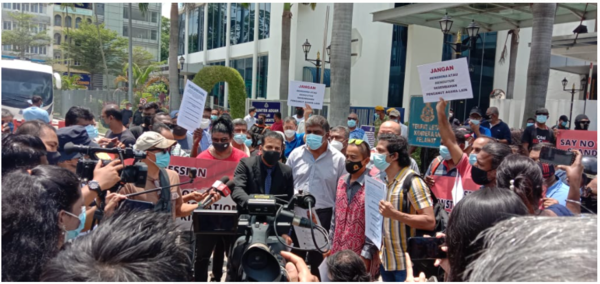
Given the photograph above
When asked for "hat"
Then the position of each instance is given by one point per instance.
(75, 134)
(394, 113)
(564, 118)
(151, 139)
(389, 110)
(174, 113)
(475, 110)
(378, 108)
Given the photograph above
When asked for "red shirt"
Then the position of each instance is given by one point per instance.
(277, 126)
(236, 155)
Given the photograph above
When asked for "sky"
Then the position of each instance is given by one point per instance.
(166, 9)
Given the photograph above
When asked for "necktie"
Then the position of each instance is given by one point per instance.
(268, 181)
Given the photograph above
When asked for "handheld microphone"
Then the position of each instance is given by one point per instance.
(297, 220)
(222, 186)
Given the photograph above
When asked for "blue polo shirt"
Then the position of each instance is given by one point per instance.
(32, 113)
(484, 131)
(559, 191)
(501, 131)
(290, 146)
(357, 133)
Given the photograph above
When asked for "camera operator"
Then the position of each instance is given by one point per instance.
(158, 157)
(22, 152)
(82, 116)
(45, 132)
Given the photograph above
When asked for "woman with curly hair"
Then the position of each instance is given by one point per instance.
(41, 210)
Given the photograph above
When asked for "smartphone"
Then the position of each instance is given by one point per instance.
(555, 156)
(129, 204)
(420, 248)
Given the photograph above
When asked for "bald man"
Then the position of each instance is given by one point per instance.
(392, 127)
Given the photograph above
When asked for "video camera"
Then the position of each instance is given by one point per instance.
(136, 173)
(261, 246)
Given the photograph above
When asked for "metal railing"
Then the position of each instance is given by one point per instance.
(94, 100)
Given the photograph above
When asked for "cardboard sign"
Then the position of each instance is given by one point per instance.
(268, 108)
(423, 124)
(447, 79)
(584, 141)
(302, 93)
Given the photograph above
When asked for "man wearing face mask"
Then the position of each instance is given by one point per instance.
(475, 121)
(317, 167)
(293, 139)
(239, 136)
(538, 133)
(77, 135)
(221, 136)
(112, 118)
(582, 122)
(395, 117)
(355, 131)
(392, 127)
(338, 137)
(184, 138)
(258, 130)
(380, 118)
(201, 136)
(82, 116)
(484, 170)
(250, 119)
(563, 123)
(555, 190)
(45, 132)
(148, 111)
(499, 129)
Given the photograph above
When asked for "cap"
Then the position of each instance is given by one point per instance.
(174, 113)
(75, 134)
(564, 118)
(151, 139)
(475, 110)
(379, 108)
(389, 110)
(394, 113)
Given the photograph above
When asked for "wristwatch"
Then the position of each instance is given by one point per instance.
(94, 185)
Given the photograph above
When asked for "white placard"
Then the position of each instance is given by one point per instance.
(302, 93)
(192, 106)
(447, 79)
(374, 193)
(323, 271)
(304, 234)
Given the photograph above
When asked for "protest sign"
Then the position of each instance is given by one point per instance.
(302, 93)
(268, 108)
(374, 193)
(370, 132)
(423, 124)
(447, 79)
(584, 141)
(208, 172)
(192, 106)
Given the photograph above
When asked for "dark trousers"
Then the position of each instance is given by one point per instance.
(205, 245)
(315, 258)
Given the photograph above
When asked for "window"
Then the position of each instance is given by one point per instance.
(7, 47)
(77, 22)
(264, 20)
(6, 25)
(57, 21)
(125, 31)
(193, 31)
(217, 24)
(43, 50)
(154, 17)
(244, 67)
(262, 73)
(57, 55)
(125, 11)
(99, 9)
(6, 6)
(34, 30)
(25, 7)
(42, 27)
(76, 63)
(181, 46)
(16, 6)
(242, 23)
(57, 38)
(42, 8)
(68, 21)
(153, 35)
(139, 33)
(33, 49)
(34, 8)
(218, 91)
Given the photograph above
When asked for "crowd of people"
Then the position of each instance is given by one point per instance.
(504, 215)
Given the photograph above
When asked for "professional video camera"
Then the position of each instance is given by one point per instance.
(261, 246)
(135, 173)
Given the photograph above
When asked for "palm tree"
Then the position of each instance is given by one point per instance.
(142, 77)
(539, 58)
(65, 7)
(340, 62)
(512, 63)
(70, 82)
(174, 98)
(97, 23)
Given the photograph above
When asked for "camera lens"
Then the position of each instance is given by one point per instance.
(257, 259)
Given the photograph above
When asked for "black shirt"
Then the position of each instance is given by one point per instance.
(136, 131)
(534, 135)
(137, 118)
(125, 137)
(126, 116)
(501, 131)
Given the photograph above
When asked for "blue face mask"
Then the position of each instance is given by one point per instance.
(248, 142)
(475, 121)
(314, 141)
(541, 118)
(376, 115)
(162, 160)
(472, 159)
(445, 153)
(239, 138)
(380, 162)
(214, 117)
(529, 124)
(74, 233)
(564, 124)
(351, 123)
(92, 131)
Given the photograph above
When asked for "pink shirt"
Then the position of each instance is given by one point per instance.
(236, 155)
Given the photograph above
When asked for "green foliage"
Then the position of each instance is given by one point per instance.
(158, 88)
(208, 76)
(70, 83)
(142, 57)
(86, 48)
(164, 38)
(21, 37)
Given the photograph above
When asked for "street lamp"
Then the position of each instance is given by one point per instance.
(446, 24)
(181, 62)
(458, 47)
(572, 91)
(317, 62)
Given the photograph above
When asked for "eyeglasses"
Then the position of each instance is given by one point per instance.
(357, 142)
(352, 118)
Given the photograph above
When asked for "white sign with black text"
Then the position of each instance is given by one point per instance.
(447, 79)
(302, 93)
(192, 106)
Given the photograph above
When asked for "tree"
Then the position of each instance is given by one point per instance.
(87, 47)
(65, 7)
(142, 77)
(21, 37)
(164, 38)
(175, 99)
(101, 44)
(539, 58)
(341, 62)
(512, 63)
(142, 57)
(71, 82)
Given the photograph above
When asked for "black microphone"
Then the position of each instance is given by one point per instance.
(222, 186)
(297, 220)
(72, 148)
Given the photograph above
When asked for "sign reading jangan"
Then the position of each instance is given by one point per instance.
(447, 79)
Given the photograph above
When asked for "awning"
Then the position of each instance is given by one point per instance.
(489, 16)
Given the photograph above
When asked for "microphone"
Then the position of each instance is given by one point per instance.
(72, 148)
(297, 220)
(222, 186)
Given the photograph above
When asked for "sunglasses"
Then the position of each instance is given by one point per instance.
(357, 142)
(352, 118)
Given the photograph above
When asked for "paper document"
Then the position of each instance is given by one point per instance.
(302, 93)
(304, 235)
(323, 270)
(447, 79)
(192, 106)
(374, 193)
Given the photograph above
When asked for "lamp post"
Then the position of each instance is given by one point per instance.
(572, 91)
(458, 47)
(317, 62)
(181, 62)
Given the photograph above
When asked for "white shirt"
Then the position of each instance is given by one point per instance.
(319, 177)
(250, 120)
(404, 130)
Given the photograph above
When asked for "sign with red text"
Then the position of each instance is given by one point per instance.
(447, 79)
(209, 171)
(302, 93)
(584, 141)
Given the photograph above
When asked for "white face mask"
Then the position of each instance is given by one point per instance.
(205, 123)
(337, 144)
(289, 133)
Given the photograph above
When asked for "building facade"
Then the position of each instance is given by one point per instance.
(42, 20)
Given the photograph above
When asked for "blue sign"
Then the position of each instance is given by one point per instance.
(85, 79)
(423, 127)
(268, 108)
(370, 132)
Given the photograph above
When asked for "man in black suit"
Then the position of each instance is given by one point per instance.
(263, 174)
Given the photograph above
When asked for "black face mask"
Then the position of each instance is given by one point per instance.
(220, 147)
(147, 122)
(353, 167)
(260, 121)
(52, 157)
(271, 157)
(479, 176)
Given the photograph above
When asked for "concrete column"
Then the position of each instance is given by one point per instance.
(255, 53)
(227, 52)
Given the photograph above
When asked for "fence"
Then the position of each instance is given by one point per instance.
(94, 100)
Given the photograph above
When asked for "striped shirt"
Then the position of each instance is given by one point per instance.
(395, 233)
